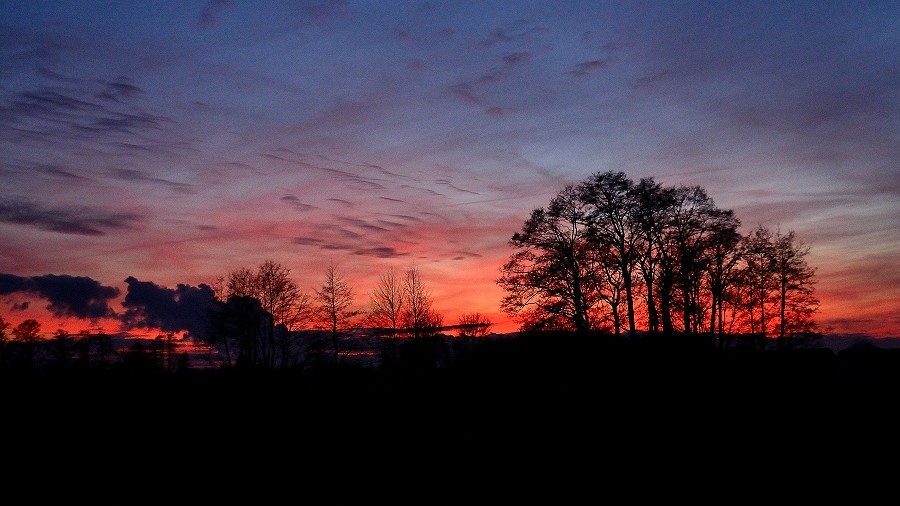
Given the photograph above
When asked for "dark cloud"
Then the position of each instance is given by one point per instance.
(403, 35)
(406, 217)
(10, 283)
(341, 201)
(585, 68)
(84, 111)
(294, 202)
(76, 296)
(517, 57)
(506, 34)
(20, 306)
(212, 13)
(61, 172)
(380, 252)
(464, 91)
(142, 177)
(76, 220)
(417, 65)
(327, 10)
(391, 224)
(392, 200)
(120, 89)
(652, 80)
(363, 224)
(307, 241)
(494, 112)
(150, 306)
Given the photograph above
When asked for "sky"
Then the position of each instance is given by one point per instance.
(158, 145)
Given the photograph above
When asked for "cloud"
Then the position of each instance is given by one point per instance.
(363, 224)
(504, 35)
(20, 306)
(150, 306)
(517, 57)
(585, 68)
(380, 252)
(212, 13)
(122, 88)
(75, 296)
(75, 220)
(403, 35)
(294, 202)
(652, 80)
(142, 177)
(465, 92)
(59, 171)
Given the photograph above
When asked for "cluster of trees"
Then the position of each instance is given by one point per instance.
(613, 254)
(261, 318)
(22, 348)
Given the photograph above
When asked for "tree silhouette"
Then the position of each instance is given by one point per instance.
(62, 341)
(335, 313)
(614, 227)
(387, 305)
(474, 325)
(26, 334)
(585, 259)
(550, 278)
(654, 203)
(3, 341)
(288, 309)
(419, 317)
(794, 280)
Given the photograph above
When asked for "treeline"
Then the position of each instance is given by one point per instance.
(616, 255)
(260, 318)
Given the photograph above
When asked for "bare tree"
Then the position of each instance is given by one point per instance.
(549, 279)
(285, 309)
(474, 325)
(388, 302)
(335, 301)
(756, 273)
(615, 229)
(419, 317)
(795, 280)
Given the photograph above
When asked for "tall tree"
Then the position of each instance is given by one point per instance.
(693, 221)
(27, 334)
(388, 302)
(285, 309)
(3, 339)
(614, 227)
(549, 279)
(757, 259)
(419, 317)
(654, 203)
(724, 253)
(335, 312)
(795, 281)
(28, 331)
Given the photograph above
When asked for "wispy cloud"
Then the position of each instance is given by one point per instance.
(586, 68)
(212, 13)
(295, 203)
(76, 220)
(143, 177)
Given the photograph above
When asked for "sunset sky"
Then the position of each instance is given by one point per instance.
(173, 142)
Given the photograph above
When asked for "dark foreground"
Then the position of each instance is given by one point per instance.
(517, 416)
